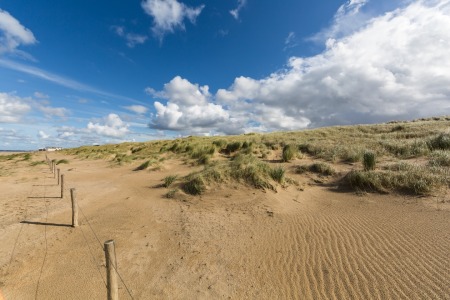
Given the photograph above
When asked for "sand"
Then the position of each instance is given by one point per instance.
(234, 242)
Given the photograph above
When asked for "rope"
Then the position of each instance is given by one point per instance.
(101, 246)
(46, 245)
(93, 258)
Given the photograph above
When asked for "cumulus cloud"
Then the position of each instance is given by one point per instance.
(138, 109)
(169, 15)
(12, 108)
(132, 39)
(188, 106)
(235, 12)
(395, 67)
(13, 34)
(111, 126)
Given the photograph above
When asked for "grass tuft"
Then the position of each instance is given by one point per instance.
(277, 174)
(289, 152)
(142, 166)
(369, 161)
(194, 185)
(62, 161)
(168, 180)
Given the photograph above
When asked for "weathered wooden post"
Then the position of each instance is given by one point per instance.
(74, 207)
(59, 175)
(111, 266)
(62, 186)
(54, 169)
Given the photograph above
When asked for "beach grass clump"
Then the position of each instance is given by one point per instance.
(194, 185)
(251, 170)
(318, 167)
(168, 180)
(171, 194)
(26, 156)
(440, 142)
(410, 179)
(220, 143)
(439, 158)
(62, 161)
(289, 152)
(405, 148)
(36, 163)
(142, 166)
(277, 174)
(233, 147)
(369, 160)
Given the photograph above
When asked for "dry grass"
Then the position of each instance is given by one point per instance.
(240, 158)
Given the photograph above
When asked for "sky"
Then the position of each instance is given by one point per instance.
(87, 72)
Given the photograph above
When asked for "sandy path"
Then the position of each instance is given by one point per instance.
(232, 243)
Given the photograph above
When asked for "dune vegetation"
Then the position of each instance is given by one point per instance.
(405, 157)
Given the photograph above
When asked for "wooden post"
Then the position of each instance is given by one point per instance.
(54, 169)
(62, 186)
(111, 275)
(74, 207)
(58, 175)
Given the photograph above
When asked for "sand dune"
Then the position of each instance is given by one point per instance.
(232, 243)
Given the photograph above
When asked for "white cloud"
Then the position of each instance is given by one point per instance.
(132, 39)
(138, 109)
(12, 108)
(13, 34)
(42, 135)
(112, 126)
(188, 107)
(235, 12)
(60, 80)
(169, 15)
(290, 41)
(348, 19)
(395, 67)
(53, 111)
(40, 95)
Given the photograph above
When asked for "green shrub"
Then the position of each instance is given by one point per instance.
(289, 152)
(277, 174)
(369, 161)
(168, 180)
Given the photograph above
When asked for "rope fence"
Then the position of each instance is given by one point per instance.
(107, 248)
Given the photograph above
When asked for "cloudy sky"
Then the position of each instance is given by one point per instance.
(82, 72)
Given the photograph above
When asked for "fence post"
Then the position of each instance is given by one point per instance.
(74, 207)
(111, 266)
(62, 186)
(54, 169)
(58, 175)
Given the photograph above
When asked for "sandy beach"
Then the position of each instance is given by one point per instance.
(233, 242)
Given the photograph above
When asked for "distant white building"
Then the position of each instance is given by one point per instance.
(50, 149)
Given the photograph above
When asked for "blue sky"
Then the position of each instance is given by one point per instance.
(82, 72)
